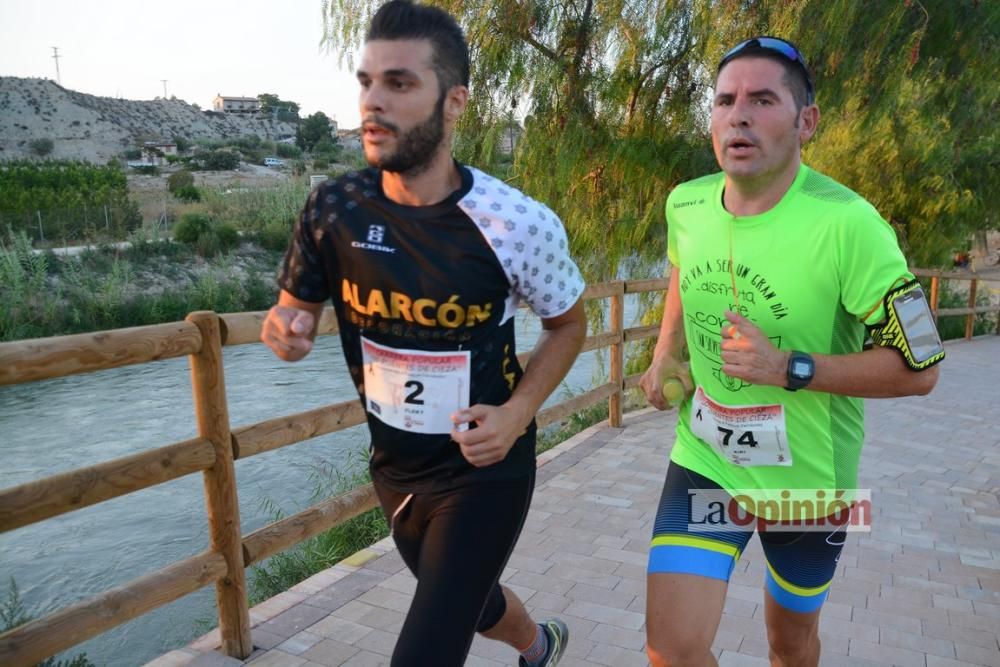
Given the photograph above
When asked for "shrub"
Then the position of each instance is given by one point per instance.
(192, 226)
(218, 160)
(206, 237)
(41, 147)
(208, 244)
(148, 170)
(275, 236)
(229, 238)
(288, 151)
(326, 149)
(188, 193)
(132, 154)
(320, 164)
(179, 179)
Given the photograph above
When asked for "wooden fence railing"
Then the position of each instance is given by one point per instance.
(214, 452)
(216, 449)
(970, 311)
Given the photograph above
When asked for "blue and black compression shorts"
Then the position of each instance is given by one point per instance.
(800, 564)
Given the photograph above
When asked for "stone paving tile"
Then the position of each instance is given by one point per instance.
(923, 588)
(330, 652)
(214, 659)
(299, 643)
(978, 654)
(296, 619)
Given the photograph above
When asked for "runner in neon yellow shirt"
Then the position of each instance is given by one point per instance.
(810, 272)
(776, 272)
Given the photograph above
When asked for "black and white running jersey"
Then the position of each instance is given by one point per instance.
(425, 297)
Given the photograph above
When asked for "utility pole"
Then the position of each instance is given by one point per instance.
(164, 87)
(55, 56)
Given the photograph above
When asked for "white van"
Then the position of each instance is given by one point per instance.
(273, 162)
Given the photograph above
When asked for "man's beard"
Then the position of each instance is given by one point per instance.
(416, 147)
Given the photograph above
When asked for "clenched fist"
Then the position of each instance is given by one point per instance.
(289, 332)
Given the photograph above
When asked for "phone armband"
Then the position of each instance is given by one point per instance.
(909, 327)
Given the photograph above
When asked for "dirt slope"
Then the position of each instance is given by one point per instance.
(94, 128)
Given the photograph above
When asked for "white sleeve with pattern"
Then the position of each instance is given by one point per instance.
(529, 241)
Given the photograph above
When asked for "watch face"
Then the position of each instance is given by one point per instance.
(801, 368)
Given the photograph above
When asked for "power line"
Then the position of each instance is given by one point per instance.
(55, 56)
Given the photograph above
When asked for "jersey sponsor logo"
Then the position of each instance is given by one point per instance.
(449, 314)
(374, 240)
(684, 204)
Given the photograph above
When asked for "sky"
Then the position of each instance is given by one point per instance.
(124, 48)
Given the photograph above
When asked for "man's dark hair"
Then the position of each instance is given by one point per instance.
(402, 19)
(797, 77)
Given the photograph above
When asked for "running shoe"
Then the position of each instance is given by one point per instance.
(558, 635)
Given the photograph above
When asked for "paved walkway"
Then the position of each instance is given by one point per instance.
(922, 589)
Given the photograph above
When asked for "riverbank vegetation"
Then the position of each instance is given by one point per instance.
(13, 613)
(152, 281)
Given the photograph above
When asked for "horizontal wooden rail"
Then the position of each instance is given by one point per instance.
(289, 429)
(598, 341)
(288, 532)
(978, 310)
(603, 290)
(651, 285)
(243, 328)
(59, 356)
(641, 333)
(565, 409)
(45, 498)
(36, 640)
(632, 381)
(949, 275)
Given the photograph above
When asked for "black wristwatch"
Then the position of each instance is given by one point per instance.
(801, 369)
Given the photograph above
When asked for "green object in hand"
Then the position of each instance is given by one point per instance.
(673, 391)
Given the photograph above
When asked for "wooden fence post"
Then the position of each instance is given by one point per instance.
(209, 387)
(616, 400)
(935, 296)
(970, 319)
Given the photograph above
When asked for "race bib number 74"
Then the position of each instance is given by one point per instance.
(745, 435)
(414, 390)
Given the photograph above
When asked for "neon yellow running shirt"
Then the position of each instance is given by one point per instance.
(810, 273)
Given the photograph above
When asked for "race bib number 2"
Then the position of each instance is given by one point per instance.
(745, 435)
(414, 390)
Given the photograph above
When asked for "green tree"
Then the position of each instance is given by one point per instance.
(278, 108)
(616, 94)
(179, 179)
(312, 130)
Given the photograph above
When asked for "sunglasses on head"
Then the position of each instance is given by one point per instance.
(773, 45)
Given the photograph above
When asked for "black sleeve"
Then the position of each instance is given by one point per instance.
(303, 273)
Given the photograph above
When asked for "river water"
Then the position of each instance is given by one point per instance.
(57, 425)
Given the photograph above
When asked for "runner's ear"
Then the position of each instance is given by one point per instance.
(456, 99)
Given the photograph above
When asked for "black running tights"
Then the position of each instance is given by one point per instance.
(456, 543)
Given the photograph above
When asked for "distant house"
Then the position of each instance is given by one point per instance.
(350, 139)
(154, 153)
(225, 104)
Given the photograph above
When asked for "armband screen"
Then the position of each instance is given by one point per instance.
(909, 327)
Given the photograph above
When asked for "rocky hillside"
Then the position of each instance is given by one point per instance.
(88, 127)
